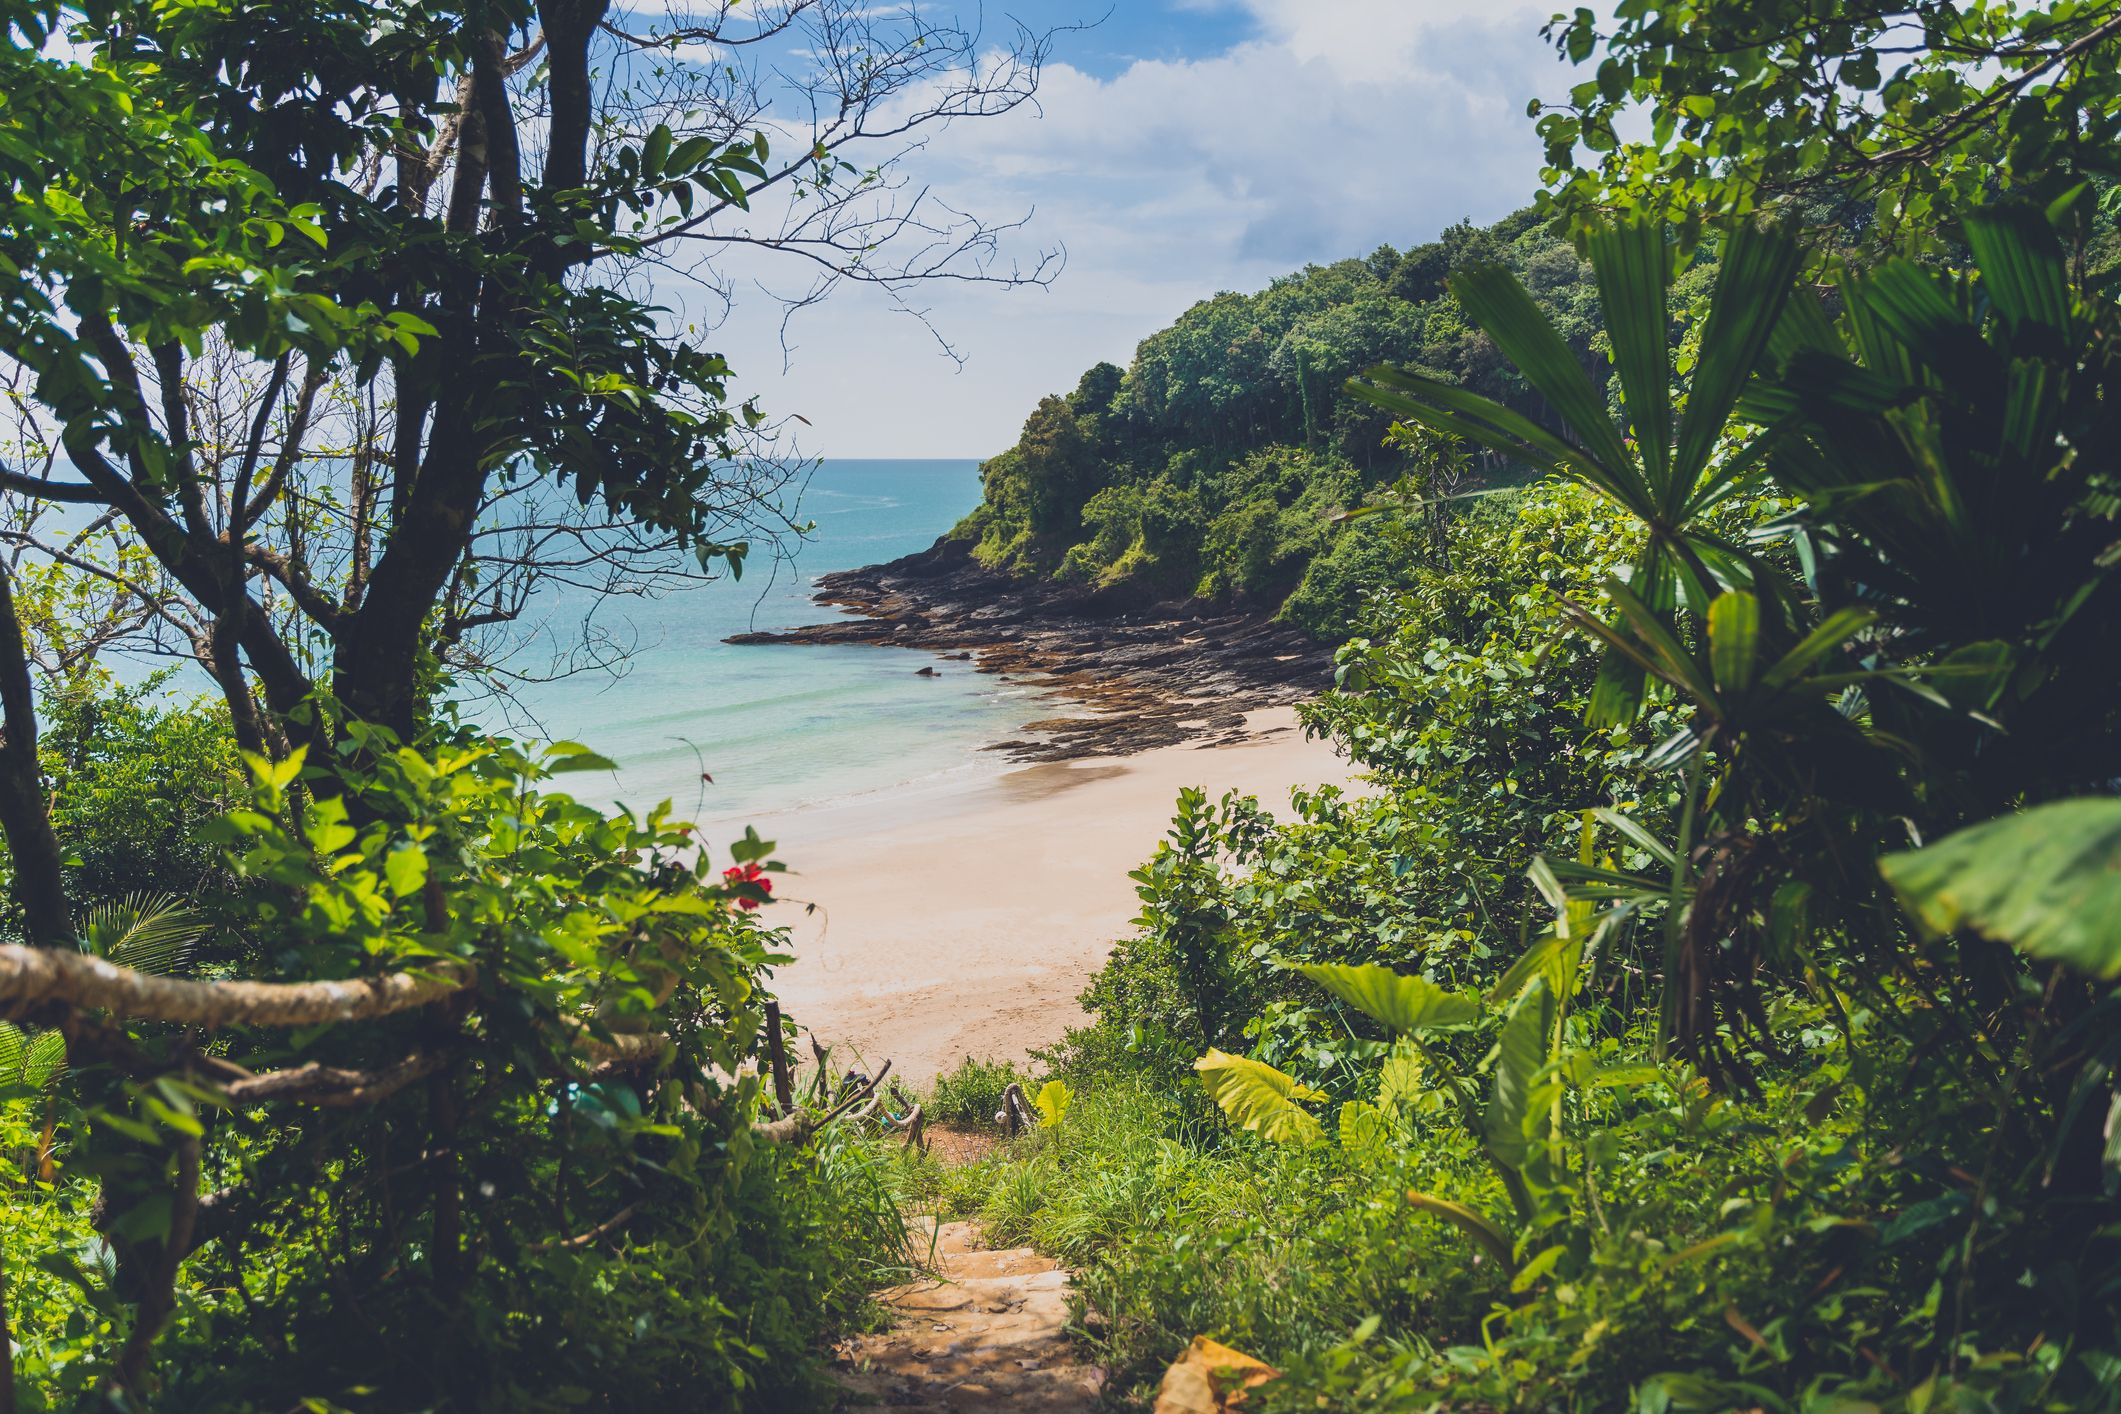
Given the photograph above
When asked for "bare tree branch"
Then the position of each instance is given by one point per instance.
(37, 976)
(331, 1087)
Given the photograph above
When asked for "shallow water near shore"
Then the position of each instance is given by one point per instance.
(784, 728)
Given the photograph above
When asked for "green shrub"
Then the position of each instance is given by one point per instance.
(972, 1093)
(719, 1306)
(527, 1226)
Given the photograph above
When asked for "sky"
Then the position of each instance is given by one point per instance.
(1177, 148)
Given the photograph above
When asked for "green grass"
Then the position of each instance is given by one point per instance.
(972, 1093)
(1179, 1228)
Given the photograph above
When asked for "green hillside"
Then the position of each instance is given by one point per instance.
(1210, 466)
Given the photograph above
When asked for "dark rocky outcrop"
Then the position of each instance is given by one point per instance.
(1148, 675)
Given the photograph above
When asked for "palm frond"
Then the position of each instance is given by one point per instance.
(1634, 264)
(1503, 308)
(152, 933)
(1753, 284)
(2022, 265)
(44, 1066)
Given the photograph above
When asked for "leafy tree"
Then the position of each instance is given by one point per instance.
(1910, 113)
(406, 355)
(135, 782)
(1054, 459)
(329, 322)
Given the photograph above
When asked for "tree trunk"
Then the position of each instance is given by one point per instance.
(40, 887)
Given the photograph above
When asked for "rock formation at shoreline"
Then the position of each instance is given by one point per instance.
(1148, 675)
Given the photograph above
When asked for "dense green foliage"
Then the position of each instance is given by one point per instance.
(1896, 117)
(1708, 1002)
(1212, 465)
(135, 780)
(323, 1277)
(1601, 985)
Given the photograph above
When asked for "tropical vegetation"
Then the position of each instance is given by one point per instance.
(1706, 1001)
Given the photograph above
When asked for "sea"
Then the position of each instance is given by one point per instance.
(730, 733)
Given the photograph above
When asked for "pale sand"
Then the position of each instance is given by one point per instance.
(965, 920)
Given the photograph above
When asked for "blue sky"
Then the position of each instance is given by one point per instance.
(1179, 148)
(1123, 33)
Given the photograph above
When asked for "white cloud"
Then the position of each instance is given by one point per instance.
(1343, 124)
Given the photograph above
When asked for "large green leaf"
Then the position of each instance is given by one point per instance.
(1523, 1051)
(1406, 1004)
(1754, 277)
(1260, 1098)
(1634, 264)
(2047, 881)
(1504, 310)
(2021, 263)
(1734, 640)
(1365, 1132)
(1400, 1085)
(1052, 1100)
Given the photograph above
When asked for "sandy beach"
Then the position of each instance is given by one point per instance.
(965, 920)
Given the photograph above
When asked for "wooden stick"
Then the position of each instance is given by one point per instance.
(603, 1229)
(777, 1057)
(329, 1086)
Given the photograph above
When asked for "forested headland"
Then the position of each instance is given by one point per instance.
(1708, 1003)
(1212, 466)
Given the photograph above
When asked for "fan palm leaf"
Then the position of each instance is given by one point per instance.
(1661, 469)
(152, 933)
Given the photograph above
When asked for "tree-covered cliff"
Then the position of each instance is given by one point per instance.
(1210, 467)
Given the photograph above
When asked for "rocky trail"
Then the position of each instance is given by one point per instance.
(988, 1333)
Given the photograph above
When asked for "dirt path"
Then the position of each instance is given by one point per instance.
(989, 1335)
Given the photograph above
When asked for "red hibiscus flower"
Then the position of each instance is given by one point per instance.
(748, 874)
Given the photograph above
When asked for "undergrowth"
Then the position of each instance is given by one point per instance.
(972, 1093)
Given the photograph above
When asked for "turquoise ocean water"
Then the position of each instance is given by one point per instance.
(781, 727)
